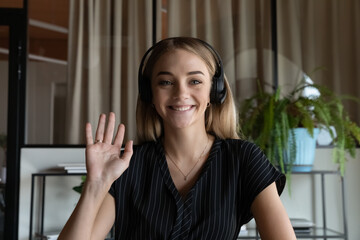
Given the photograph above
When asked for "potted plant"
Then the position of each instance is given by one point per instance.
(270, 120)
(79, 188)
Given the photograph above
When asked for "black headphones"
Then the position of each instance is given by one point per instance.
(218, 90)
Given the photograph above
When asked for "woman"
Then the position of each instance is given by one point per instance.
(191, 177)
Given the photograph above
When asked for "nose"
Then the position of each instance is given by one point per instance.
(181, 91)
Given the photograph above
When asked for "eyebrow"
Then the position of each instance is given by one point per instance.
(189, 73)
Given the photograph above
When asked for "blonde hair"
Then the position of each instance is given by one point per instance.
(220, 119)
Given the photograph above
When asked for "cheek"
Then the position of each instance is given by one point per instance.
(156, 95)
(159, 101)
(208, 94)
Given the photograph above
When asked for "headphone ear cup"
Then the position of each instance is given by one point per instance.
(144, 84)
(218, 90)
(145, 94)
(213, 92)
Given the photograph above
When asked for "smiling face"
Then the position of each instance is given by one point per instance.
(181, 85)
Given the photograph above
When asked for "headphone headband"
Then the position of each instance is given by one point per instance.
(218, 90)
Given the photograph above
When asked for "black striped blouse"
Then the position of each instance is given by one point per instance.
(148, 205)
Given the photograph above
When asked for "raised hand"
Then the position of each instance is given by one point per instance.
(104, 161)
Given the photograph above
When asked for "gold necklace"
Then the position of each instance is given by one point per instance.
(185, 176)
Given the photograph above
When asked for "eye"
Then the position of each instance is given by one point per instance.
(165, 82)
(195, 82)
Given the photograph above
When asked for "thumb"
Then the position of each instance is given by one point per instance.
(128, 151)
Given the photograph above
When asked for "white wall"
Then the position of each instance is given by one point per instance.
(304, 201)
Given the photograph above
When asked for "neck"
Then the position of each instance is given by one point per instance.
(185, 144)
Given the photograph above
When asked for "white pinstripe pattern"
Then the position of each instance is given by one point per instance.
(148, 205)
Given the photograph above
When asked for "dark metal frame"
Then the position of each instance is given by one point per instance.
(274, 46)
(154, 9)
(16, 19)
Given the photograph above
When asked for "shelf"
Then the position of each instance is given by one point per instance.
(316, 233)
(319, 232)
(57, 173)
(312, 172)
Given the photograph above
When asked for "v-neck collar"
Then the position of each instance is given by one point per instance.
(184, 216)
(166, 172)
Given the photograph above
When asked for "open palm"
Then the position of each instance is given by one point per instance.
(104, 161)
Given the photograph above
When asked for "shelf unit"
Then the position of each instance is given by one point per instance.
(43, 177)
(322, 232)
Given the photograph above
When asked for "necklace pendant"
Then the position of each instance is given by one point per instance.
(185, 178)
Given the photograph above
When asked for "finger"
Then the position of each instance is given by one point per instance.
(119, 137)
(88, 134)
(109, 133)
(128, 151)
(100, 128)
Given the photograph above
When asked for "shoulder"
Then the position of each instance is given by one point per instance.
(238, 153)
(145, 147)
(240, 147)
(147, 155)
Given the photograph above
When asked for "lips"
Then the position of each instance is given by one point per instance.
(181, 108)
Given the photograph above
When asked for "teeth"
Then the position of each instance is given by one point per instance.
(181, 108)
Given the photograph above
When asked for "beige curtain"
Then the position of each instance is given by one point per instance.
(321, 34)
(311, 34)
(238, 29)
(106, 42)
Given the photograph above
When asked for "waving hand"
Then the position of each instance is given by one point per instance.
(104, 161)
